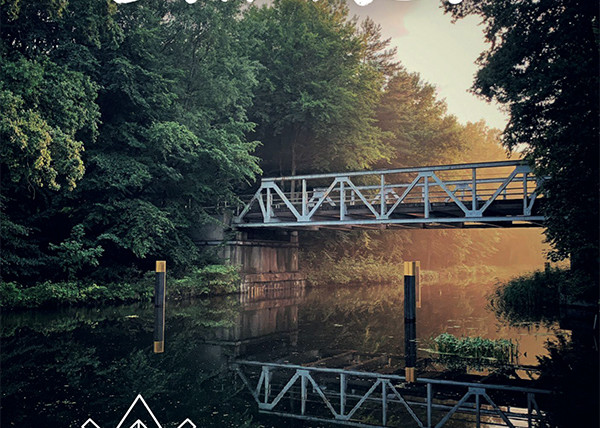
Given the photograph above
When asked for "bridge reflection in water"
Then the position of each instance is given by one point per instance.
(342, 396)
(356, 388)
(267, 323)
(492, 194)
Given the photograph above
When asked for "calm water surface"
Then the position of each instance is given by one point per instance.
(61, 367)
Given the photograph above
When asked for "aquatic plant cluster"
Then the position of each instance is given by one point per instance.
(474, 350)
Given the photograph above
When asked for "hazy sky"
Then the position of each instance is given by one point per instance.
(443, 53)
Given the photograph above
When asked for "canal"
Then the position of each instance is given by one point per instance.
(61, 367)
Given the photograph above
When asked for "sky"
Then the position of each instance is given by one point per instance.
(442, 53)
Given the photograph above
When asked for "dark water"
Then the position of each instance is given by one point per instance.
(61, 367)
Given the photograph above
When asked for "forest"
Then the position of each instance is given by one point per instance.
(123, 126)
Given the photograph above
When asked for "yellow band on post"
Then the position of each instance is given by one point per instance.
(410, 268)
(161, 266)
(409, 373)
(159, 347)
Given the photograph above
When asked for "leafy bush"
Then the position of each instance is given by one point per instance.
(49, 293)
(212, 279)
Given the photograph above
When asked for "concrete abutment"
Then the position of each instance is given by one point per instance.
(268, 259)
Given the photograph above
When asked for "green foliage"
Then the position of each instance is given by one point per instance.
(542, 64)
(316, 99)
(172, 95)
(73, 255)
(537, 296)
(44, 108)
(419, 129)
(211, 279)
(474, 351)
(52, 294)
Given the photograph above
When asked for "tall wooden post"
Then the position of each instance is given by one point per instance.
(411, 277)
(159, 306)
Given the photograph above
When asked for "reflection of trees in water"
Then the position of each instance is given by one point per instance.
(371, 319)
(65, 366)
(571, 363)
(366, 319)
(97, 364)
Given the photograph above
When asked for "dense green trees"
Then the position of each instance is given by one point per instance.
(317, 88)
(543, 65)
(121, 124)
(149, 100)
(419, 129)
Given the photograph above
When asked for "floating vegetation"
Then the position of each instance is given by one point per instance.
(463, 352)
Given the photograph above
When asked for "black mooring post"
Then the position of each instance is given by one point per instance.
(411, 277)
(159, 306)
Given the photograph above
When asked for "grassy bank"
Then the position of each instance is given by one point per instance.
(209, 280)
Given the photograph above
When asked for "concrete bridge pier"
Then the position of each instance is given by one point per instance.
(268, 259)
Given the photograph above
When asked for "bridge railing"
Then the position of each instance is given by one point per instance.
(387, 195)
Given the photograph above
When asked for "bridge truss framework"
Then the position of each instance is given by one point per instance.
(491, 194)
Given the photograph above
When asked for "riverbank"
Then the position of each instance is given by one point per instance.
(571, 365)
(208, 280)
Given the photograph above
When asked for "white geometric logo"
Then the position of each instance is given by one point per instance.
(138, 423)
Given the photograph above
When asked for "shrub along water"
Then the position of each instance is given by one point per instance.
(537, 296)
(209, 280)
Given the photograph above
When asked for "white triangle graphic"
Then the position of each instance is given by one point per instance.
(139, 398)
(138, 424)
(90, 424)
(187, 424)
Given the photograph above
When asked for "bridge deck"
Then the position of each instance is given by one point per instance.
(494, 194)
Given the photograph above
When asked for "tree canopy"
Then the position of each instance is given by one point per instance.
(120, 125)
(542, 64)
(317, 90)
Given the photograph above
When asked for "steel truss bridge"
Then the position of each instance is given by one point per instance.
(477, 195)
(367, 399)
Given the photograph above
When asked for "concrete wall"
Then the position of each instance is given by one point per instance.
(267, 258)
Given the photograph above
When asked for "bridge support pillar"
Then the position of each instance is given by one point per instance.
(268, 259)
